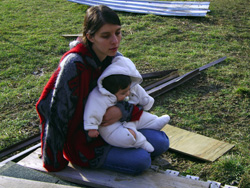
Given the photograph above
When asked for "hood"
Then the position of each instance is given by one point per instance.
(120, 65)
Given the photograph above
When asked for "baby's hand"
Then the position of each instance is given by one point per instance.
(93, 133)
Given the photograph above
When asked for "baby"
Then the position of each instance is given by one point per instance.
(120, 81)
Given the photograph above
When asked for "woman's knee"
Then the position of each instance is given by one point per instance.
(141, 163)
(163, 141)
(158, 139)
(129, 161)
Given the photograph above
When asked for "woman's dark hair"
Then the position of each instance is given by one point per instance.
(95, 18)
(115, 82)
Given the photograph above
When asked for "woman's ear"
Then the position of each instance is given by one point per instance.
(89, 37)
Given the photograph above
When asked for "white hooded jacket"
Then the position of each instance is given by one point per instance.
(100, 99)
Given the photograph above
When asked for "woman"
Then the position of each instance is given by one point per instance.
(62, 102)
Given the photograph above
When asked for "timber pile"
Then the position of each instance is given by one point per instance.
(162, 86)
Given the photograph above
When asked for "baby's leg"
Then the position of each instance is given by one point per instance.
(122, 137)
(117, 135)
(141, 140)
(150, 121)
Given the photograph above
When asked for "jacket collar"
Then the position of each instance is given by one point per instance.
(92, 58)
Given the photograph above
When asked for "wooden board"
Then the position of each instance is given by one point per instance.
(103, 178)
(195, 145)
(7, 182)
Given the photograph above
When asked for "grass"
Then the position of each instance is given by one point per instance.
(214, 104)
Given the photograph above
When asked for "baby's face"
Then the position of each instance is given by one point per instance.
(122, 93)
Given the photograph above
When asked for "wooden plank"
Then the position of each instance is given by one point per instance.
(7, 182)
(104, 178)
(158, 74)
(72, 35)
(163, 88)
(195, 145)
(212, 63)
(166, 78)
(164, 8)
(20, 154)
(19, 145)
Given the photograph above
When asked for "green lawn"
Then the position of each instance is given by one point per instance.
(215, 104)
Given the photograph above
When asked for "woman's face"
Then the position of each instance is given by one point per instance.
(106, 40)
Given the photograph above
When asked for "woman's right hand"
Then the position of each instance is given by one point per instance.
(112, 115)
(93, 133)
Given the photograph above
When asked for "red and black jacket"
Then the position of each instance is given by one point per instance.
(61, 107)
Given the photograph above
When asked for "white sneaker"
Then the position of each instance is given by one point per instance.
(160, 122)
(147, 146)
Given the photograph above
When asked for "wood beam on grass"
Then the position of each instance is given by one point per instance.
(212, 63)
(166, 78)
(163, 88)
(195, 145)
(72, 35)
(20, 145)
(167, 86)
(157, 74)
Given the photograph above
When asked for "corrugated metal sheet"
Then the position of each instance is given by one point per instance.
(164, 8)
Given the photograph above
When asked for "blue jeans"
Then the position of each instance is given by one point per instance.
(134, 161)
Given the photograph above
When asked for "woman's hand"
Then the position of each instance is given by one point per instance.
(93, 133)
(112, 115)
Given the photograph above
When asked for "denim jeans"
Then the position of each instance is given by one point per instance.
(134, 161)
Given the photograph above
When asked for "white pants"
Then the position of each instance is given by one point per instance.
(118, 134)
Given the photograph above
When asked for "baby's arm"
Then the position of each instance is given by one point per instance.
(95, 108)
(145, 100)
(93, 133)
